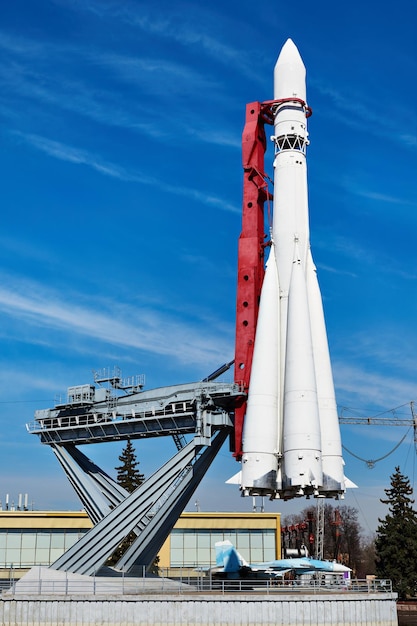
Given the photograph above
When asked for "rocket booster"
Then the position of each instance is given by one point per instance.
(291, 436)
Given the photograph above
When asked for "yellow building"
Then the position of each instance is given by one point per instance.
(190, 546)
(30, 538)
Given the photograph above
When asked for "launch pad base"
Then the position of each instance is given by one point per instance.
(47, 598)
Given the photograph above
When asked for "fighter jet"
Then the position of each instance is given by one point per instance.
(231, 565)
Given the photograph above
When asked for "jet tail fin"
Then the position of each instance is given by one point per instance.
(228, 557)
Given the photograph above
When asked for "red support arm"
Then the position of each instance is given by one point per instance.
(251, 252)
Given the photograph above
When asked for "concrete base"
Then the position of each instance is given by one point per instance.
(41, 581)
(181, 605)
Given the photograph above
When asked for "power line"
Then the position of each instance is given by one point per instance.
(371, 463)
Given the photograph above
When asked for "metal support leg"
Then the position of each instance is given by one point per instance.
(149, 542)
(98, 492)
(138, 509)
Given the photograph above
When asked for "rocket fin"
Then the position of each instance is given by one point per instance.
(349, 484)
(236, 479)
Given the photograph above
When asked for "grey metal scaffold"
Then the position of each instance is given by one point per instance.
(198, 416)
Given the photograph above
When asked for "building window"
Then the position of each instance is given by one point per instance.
(26, 548)
(195, 548)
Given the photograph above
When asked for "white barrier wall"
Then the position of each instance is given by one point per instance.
(203, 610)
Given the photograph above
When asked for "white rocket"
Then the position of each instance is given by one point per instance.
(291, 436)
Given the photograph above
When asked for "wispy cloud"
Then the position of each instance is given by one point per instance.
(347, 247)
(36, 383)
(380, 197)
(366, 388)
(396, 353)
(132, 327)
(352, 250)
(354, 186)
(336, 270)
(157, 76)
(192, 28)
(30, 75)
(217, 137)
(70, 154)
(408, 139)
(18, 248)
(368, 116)
(21, 46)
(77, 156)
(79, 97)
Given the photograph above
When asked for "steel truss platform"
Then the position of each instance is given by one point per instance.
(199, 418)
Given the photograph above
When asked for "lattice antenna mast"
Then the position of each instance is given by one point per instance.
(320, 529)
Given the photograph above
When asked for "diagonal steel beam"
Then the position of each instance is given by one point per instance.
(95, 502)
(149, 542)
(92, 550)
(110, 488)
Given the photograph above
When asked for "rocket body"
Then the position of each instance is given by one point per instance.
(291, 435)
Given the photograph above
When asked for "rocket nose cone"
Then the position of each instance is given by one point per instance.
(289, 53)
(289, 73)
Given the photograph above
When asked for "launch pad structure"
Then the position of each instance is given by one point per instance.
(200, 416)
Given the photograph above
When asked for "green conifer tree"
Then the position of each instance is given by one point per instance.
(128, 475)
(396, 540)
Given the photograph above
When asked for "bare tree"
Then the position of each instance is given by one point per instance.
(342, 533)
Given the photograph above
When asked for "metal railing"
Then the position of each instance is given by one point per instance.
(98, 586)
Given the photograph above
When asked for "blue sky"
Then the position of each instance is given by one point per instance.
(120, 131)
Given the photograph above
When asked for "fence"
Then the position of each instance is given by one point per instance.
(97, 586)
